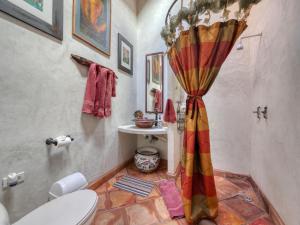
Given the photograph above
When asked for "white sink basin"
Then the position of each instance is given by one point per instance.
(132, 129)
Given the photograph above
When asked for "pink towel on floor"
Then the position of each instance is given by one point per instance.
(170, 115)
(172, 198)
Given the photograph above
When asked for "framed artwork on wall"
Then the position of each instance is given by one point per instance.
(92, 23)
(45, 15)
(125, 55)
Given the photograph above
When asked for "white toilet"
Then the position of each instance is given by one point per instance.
(77, 208)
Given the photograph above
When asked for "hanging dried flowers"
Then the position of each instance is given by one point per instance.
(202, 7)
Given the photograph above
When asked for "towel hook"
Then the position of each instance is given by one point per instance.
(265, 112)
(258, 112)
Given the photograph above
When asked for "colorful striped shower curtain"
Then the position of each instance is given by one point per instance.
(196, 58)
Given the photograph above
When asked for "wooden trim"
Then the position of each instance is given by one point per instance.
(107, 176)
(269, 207)
(86, 62)
(222, 173)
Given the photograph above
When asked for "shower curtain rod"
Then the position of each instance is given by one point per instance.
(253, 35)
(168, 13)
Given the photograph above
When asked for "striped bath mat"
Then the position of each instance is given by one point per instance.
(135, 185)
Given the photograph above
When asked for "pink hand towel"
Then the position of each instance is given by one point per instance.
(101, 91)
(170, 115)
(110, 92)
(90, 91)
(172, 198)
(100, 88)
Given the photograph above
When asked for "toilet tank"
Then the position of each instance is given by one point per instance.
(68, 184)
(4, 219)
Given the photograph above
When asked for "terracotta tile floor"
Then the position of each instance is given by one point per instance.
(239, 203)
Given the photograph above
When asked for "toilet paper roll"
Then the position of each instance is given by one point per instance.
(63, 141)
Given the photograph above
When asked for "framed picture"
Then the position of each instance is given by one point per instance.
(92, 23)
(125, 55)
(45, 15)
(156, 69)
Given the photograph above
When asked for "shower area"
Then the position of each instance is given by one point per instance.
(241, 110)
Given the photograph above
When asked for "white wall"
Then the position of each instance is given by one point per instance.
(41, 96)
(229, 112)
(275, 163)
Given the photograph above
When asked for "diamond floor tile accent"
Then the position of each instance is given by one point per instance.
(246, 210)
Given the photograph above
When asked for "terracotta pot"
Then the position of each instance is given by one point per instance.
(147, 159)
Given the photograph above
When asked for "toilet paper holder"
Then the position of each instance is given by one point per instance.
(54, 141)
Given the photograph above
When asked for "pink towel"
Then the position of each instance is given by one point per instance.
(110, 92)
(101, 91)
(171, 198)
(100, 88)
(170, 115)
(90, 91)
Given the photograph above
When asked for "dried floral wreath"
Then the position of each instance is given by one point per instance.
(198, 8)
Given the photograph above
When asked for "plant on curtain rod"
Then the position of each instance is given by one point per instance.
(198, 8)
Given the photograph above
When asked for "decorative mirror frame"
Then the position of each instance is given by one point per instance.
(149, 79)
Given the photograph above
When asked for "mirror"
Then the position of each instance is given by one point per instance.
(154, 82)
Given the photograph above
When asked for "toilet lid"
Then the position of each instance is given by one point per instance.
(70, 209)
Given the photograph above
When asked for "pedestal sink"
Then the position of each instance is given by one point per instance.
(132, 129)
(172, 148)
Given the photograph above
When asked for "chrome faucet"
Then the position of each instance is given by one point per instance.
(156, 118)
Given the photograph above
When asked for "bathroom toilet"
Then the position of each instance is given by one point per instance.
(77, 208)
